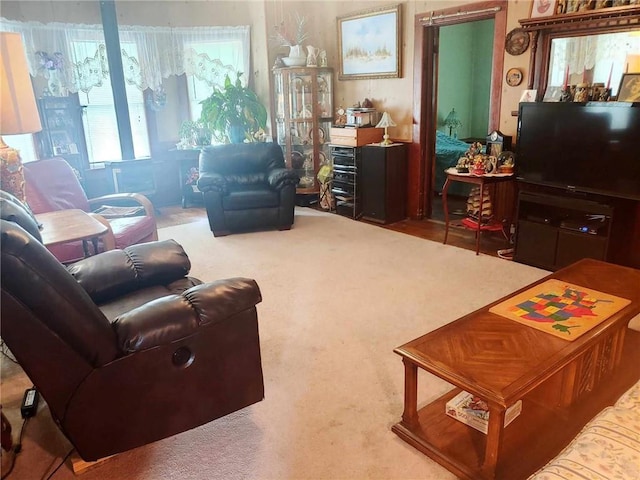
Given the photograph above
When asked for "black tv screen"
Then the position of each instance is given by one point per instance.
(590, 148)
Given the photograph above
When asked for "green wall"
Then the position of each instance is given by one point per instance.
(464, 76)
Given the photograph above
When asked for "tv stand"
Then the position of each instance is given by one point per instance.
(554, 231)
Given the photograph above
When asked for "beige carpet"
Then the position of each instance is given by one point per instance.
(339, 296)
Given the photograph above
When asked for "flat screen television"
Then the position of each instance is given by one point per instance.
(580, 147)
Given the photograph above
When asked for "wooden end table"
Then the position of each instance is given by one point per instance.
(502, 361)
(64, 226)
(481, 181)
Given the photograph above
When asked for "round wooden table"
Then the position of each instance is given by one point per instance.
(481, 181)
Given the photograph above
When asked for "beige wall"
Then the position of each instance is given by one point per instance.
(394, 95)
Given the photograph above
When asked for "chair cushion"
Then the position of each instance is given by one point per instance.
(52, 185)
(132, 230)
(243, 158)
(630, 399)
(243, 197)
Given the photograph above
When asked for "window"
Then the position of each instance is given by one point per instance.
(99, 119)
(149, 56)
(24, 144)
(215, 60)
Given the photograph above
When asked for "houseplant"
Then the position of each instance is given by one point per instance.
(193, 134)
(233, 113)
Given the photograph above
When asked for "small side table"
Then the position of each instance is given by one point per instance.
(63, 226)
(187, 160)
(481, 181)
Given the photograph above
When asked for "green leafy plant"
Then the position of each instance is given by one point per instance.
(194, 133)
(233, 113)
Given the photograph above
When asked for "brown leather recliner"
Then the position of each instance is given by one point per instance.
(52, 185)
(247, 186)
(125, 348)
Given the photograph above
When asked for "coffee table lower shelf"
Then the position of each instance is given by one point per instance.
(460, 448)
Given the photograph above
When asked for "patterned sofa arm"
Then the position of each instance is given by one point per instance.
(606, 448)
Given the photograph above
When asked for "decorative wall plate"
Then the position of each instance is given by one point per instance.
(517, 41)
(514, 77)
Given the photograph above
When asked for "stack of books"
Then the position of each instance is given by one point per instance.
(471, 410)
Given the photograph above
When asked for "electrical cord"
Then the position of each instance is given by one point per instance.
(60, 464)
(17, 448)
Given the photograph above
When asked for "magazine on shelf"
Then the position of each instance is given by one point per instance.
(471, 410)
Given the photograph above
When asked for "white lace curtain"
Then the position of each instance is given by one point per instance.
(76, 54)
(603, 54)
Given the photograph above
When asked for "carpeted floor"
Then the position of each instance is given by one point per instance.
(339, 296)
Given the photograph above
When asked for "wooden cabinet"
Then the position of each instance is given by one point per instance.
(304, 113)
(62, 132)
(384, 180)
(554, 231)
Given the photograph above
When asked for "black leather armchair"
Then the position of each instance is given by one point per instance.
(246, 186)
(125, 348)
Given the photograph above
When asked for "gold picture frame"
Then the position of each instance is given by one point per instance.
(629, 90)
(370, 43)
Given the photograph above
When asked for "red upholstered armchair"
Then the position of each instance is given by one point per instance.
(51, 185)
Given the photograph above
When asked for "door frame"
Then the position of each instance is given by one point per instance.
(425, 87)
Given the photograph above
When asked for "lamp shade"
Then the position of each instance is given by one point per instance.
(386, 121)
(452, 119)
(17, 101)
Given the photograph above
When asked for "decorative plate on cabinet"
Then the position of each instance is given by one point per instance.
(321, 135)
(517, 41)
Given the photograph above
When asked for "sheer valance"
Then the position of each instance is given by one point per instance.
(75, 56)
(604, 56)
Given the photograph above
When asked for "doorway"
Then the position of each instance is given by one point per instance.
(426, 70)
(463, 88)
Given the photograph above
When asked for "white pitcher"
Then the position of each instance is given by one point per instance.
(295, 51)
(312, 56)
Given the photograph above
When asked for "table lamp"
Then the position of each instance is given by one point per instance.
(453, 122)
(386, 122)
(19, 113)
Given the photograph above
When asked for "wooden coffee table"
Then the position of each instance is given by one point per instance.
(503, 361)
(63, 226)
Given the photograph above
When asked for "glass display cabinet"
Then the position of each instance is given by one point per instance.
(304, 114)
(62, 132)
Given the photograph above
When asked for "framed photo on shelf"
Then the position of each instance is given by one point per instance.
(60, 142)
(629, 90)
(369, 44)
(528, 96)
(543, 8)
(552, 94)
